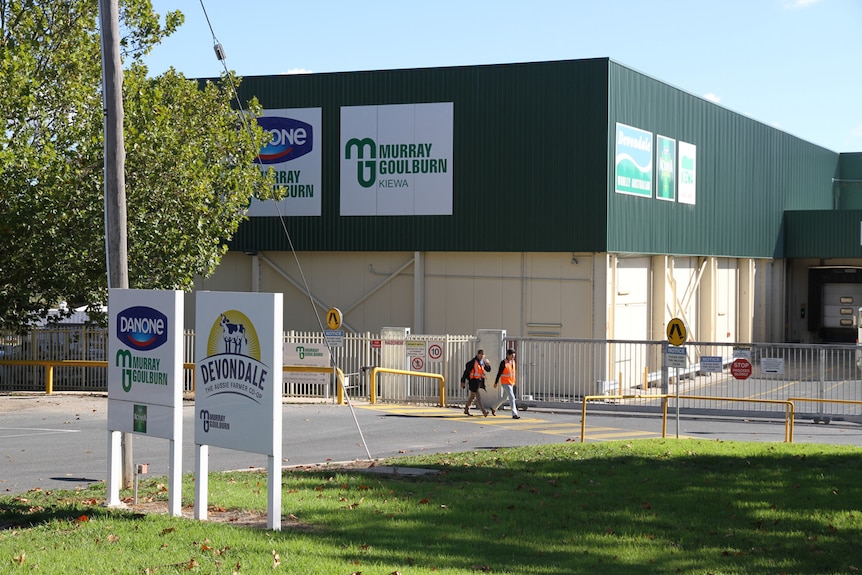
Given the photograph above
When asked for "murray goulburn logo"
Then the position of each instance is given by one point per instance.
(140, 329)
(391, 162)
(233, 365)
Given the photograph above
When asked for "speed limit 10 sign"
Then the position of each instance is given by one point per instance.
(435, 351)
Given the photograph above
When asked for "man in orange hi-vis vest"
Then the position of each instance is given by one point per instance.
(506, 377)
(474, 376)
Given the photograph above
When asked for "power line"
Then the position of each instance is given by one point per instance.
(220, 54)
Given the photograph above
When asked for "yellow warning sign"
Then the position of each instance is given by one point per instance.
(334, 318)
(676, 334)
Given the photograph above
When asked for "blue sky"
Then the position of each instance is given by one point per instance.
(791, 64)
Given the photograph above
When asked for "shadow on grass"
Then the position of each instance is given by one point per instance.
(657, 506)
(34, 509)
(674, 508)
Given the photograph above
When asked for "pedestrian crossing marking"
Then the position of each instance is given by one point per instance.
(530, 424)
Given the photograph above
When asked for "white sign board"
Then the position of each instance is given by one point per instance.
(145, 374)
(415, 348)
(294, 153)
(397, 160)
(687, 173)
(711, 364)
(238, 366)
(417, 363)
(334, 337)
(305, 354)
(434, 350)
(772, 365)
(676, 356)
(742, 352)
(145, 360)
(238, 371)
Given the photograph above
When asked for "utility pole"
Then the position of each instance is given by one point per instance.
(115, 179)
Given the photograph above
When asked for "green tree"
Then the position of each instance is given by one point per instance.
(189, 160)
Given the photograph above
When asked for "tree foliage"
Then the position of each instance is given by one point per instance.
(189, 170)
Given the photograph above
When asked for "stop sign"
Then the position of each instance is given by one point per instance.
(740, 368)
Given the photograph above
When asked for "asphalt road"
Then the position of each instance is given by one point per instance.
(61, 441)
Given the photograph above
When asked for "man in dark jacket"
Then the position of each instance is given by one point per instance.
(474, 376)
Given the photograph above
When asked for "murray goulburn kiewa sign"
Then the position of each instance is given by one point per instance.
(396, 160)
(238, 382)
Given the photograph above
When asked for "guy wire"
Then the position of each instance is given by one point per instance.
(221, 57)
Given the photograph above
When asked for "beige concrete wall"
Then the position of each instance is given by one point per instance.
(527, 294)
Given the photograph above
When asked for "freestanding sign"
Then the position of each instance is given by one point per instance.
(238, 378)
(145, 374)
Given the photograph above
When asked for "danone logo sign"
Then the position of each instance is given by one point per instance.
(397, 159)
(289, 139)
(142, 328)
(293, 154)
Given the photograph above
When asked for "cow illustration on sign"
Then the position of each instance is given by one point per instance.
(234, 335)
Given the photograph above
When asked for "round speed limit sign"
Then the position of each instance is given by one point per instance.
(435, 352)
(417, 363)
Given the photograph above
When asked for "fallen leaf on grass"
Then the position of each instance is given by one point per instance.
(20, 558)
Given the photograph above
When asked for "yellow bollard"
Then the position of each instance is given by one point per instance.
(49, 379)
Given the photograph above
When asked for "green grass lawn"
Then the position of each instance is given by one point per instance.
(650, 506)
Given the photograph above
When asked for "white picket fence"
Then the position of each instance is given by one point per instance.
(824, 381)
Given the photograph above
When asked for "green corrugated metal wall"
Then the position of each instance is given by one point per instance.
(748, 173)
(823, 234)
(529, 156)
(534, 154)
(848, 184)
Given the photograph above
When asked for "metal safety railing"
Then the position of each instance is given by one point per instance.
(377, 370)
(50, 365)
(789, 409)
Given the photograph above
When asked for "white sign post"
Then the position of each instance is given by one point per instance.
(238, 378)
(145, 374)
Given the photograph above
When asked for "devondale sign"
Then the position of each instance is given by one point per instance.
(238, 384)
